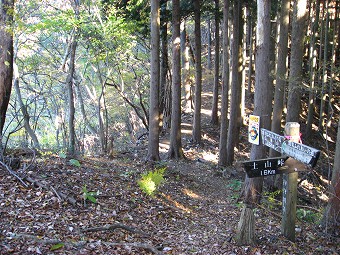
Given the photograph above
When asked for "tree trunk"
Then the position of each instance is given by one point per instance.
(214, 111)
(312, 66)
(82, 110)
(332, 71)
(209, 44)
(153, 144)
(281, 72)
(297, 51)
(175, 150)
(165, 86)
(196, 132)
(222, 161)
(324, 84)
(71, 108)
(235, 109)
(331, 219)
(186, 69)
(101, 119)
(6, 60)
(262, 108)
(281, 83)
(23, 109)
(250, 65)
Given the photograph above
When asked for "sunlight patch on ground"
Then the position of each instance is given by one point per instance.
(206, 112)
(208, 156)
(328, 138)
(163, 147)
(191, 194)
(312, 189)
(176, 204)
(186, 131)
(207, 94)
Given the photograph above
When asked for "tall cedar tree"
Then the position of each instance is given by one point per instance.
(196, 132)
(6, 58)
(236, 79)
(281, 72)
(331, 217)
(214, 110)
(186, 68)
(153, 145)
(262, 108)
(175, 150)
(297, 51)
(222, 161)
(315, 17)
(281, 83)
(165, 86)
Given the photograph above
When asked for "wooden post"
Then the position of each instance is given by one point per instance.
(292, 132)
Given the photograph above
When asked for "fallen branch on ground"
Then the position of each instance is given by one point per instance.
(13, 173)
(113, 227)
(36, 183)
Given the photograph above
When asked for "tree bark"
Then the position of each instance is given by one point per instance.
(23, 109)
(6, 59)
(324, 82)
(262, 108)
(281, 72)
(71, 108)
(297, 51)
(165, 86)
(214, 110)
(331, 217)
(312, 66)
(332, 71)
(235, 108)
(209, 44)
(153, 144)
(186, 69)
(175, 150)
(222, 161)
(196, 132)
(281, 84)
(246, 228)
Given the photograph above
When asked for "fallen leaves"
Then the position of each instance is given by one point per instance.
(193, 213)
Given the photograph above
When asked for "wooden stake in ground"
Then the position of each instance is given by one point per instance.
(292, 132)
(245, 230)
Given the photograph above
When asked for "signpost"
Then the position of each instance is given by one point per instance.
(265, 167)
(301, 152)
(289, 146)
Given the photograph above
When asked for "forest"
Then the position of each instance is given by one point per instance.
(169, 127)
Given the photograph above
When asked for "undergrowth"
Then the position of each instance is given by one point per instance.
(151, 180)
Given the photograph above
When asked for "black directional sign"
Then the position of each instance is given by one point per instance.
(265, 167)
(301, 152)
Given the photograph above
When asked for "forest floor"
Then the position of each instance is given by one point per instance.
(195, 211)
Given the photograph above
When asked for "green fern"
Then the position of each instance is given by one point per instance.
(151, 180)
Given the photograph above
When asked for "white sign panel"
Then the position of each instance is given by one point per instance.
(271, 139)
